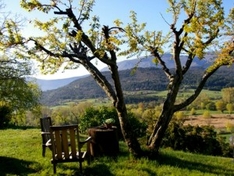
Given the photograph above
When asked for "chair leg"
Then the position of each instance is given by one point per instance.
(54, 166)
(43, 151)
(88, 153)
(80, 166)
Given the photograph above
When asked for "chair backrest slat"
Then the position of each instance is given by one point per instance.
(45, 123)
(65, 143)
(58, 148)
(73, 143)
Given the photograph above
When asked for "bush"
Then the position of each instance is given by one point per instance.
(5, 112)
(93, 117)
(196, 139)
(96, 117)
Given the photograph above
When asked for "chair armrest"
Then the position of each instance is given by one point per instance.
(45, 132)
(48, 143)
(87, 140)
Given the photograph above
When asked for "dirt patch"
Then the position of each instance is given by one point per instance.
(219, 121)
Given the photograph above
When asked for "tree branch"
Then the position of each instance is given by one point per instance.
(155, 53)
(211, 38)
(197, 91)
(226, 52)
(188, 63)
(73, 18)
(101, 80)
(106, 31)
(64, 54)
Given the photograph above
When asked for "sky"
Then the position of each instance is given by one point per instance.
(149, 11)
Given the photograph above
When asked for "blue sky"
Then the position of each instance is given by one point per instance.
(148, 11)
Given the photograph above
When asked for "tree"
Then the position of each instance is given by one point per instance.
(220, 106)
(229, 108)
(67, 47)
(192, 112)
(201, 101)
(206, 114)
(5, 113)
(17, 93)
(228, 94)
(66, 44)
(15, 89)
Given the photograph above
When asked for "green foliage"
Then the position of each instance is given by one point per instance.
(139, 126)
(146, 115)
(210, 106)
(230, 127)
(14, 88)
(5, 115)
(180, 115)
(228, 94)
(196, 139)
(192, 112)
(93, 117)
(63, 116)
(229, 108)
(21, 94)
(206, 114)
(220, 106)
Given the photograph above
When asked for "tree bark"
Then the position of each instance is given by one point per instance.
(166, 115)
(127, 132)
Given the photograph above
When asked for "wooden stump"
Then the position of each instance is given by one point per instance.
(104, 141)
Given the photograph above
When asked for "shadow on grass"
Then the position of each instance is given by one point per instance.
(165, 159)
(13, 166)
(95, 169)
(98, 169)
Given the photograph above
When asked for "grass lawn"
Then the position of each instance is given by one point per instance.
(20, 154)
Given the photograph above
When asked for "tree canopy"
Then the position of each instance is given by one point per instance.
(16, 91)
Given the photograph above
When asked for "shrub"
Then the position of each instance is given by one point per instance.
(92, 117)
(196, 139)
(192, 112)
(206, 114)
(211, 106)
(5, 112)
(97, 116)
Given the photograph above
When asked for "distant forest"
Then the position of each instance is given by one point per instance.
(140, 79)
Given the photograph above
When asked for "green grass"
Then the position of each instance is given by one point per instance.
(20, 154)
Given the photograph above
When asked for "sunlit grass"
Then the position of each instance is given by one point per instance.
(20, 154)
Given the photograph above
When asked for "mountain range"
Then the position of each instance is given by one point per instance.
(143, 62)
(145, 78)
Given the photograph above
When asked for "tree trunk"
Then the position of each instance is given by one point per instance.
(159, 130)
(120, 106)
(128, 134)
(165, 117)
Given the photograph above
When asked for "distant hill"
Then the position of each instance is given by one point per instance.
(143, 62)
(55, 83)
(143, 79)
(146, 62)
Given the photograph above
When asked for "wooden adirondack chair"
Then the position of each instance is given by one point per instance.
(66, 145)
(45, 133)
